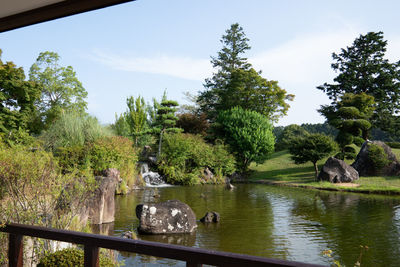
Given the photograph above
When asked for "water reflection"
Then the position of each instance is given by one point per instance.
(278, 222)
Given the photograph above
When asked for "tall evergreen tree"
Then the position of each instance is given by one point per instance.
(166, 119)
(136, 116)
(236, 83)
(363, 68)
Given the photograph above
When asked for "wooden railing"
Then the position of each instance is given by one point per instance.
(92, 243)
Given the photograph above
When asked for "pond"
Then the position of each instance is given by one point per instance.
(276, 222)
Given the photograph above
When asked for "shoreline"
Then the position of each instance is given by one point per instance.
(351, 189)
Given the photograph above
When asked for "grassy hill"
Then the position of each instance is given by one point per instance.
(280, 169)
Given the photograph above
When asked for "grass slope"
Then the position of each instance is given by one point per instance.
(280, 169)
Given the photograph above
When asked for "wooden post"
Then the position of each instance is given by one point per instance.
(91, 256)
(15, 250)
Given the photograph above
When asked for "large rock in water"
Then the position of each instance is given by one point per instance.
(337, 171)
(101, 206)
(167, 217)
(365, 168)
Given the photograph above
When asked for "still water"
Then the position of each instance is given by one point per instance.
(276, 222)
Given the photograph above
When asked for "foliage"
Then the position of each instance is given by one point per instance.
(165, 119)
(61, 89)
(121, 126)
(351, 117)
(71, 257)
(287, 135)
(249, 135)
(136, 117)
(73, 129)
(377, 156)
(193, 123)
(185, 157)
(235, 83)
(313, 148)
(17, 99)
(362, 68)
(322, 128)
(103, 153)
(31, 184)
(393, 144)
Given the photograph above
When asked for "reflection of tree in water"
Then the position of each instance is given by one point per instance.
(350, 220)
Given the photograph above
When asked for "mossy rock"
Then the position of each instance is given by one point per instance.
(70, 257)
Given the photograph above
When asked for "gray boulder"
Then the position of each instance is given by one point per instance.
(365, 168)
(167, 217)
(337, 171)
(101, 206)
(211, 216)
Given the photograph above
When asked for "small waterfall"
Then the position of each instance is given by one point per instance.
(152, 179)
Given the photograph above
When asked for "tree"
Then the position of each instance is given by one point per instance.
(312, 148)
(61, 89)
(351, 116)
(236, 83)
(249, 135)
(362, 68)
(288, 134)
(165, 119)
(136, 116)
(17, 98)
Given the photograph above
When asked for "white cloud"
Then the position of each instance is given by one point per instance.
(180, 67)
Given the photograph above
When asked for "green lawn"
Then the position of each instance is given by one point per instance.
(280, 169)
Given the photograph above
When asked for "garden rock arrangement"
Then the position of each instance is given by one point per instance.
(337, 171)
(172, 216)
(101, 206)
(211, 216)
(364, 166)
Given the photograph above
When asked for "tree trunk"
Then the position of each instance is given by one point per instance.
(316, 170)
(159, 145)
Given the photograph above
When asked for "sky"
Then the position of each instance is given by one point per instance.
(148, 46)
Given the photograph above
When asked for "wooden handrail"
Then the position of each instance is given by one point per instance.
(92, 243)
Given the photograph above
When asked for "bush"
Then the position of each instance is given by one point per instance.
(393, 144)
(71, 257)
(73, 129)
(31, 186)
(106, 152)
(185, 157)
(377, 156)
(249, 135)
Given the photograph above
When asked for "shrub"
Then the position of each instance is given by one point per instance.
(249, 135)
(71, 257)
(32, 184)
(73, 129)
(393, 144)
(185, 157)
(377, 156)
(114, 152)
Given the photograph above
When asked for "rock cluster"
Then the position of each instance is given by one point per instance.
(337, 171)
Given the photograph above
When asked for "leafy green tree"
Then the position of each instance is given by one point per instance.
(61, 89)
(362, 68)
(351, 116)
(249, 135)
(121, 126)
(17, 98)
(236, 83)
(289, 133)
(313, 148)
(165, 119)
(136, 117)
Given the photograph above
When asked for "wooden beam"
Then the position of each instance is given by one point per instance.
(15, 250)
(54, 11)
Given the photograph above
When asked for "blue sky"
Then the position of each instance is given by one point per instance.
(147, 46)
